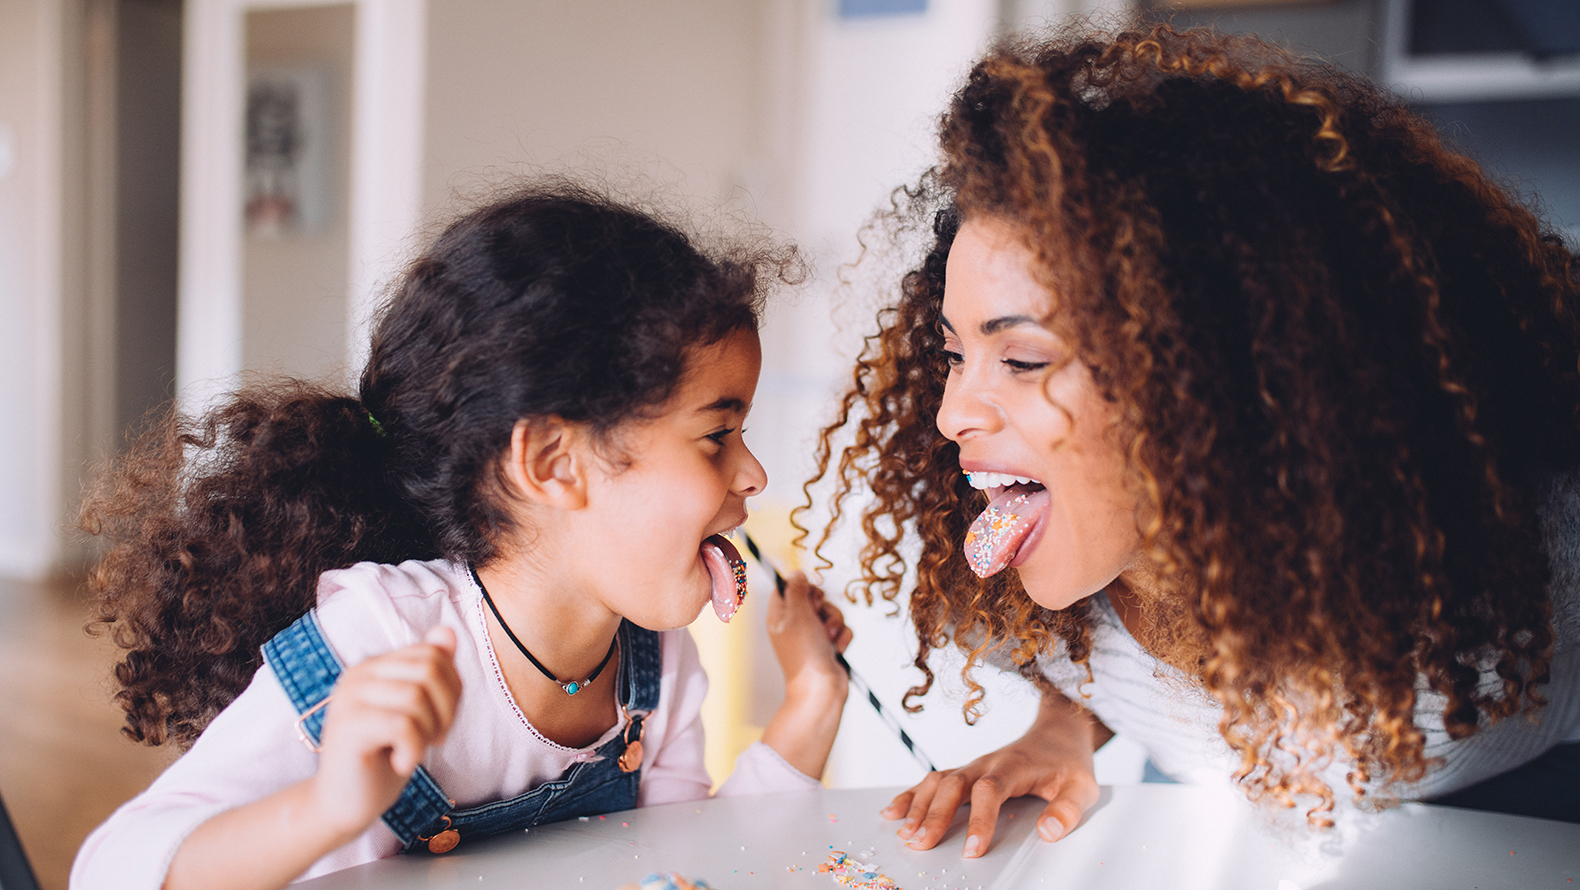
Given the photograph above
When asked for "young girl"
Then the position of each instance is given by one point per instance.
(549, 430)
(1242, 415)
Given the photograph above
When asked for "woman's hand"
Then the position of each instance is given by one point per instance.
(806, 630)
(1053, 760)
(386, 711)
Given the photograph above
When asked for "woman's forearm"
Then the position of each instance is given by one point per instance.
(1063, 725)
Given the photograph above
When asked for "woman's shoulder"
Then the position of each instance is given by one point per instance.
(370, 608)
(1560, 516)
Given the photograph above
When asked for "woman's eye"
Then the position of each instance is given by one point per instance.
(951, 358)
(1020, 367)
(719, 437)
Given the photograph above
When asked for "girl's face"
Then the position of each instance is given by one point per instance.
(1020, 410)
(685, 476)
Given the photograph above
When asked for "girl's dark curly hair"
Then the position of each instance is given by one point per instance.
(1344, 359)
(553, 301)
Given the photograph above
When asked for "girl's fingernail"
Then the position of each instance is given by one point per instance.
(1050, 829)
(973, 846)
(921, 835)
(906, 829)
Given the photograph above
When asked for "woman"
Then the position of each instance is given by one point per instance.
(1239, 413)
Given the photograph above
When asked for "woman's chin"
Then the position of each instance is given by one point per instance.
(1048, 589)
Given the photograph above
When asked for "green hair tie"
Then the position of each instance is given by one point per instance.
(374, 422)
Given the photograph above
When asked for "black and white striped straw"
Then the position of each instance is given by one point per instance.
(855, 678)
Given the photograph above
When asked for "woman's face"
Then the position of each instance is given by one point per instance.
(1033, 430)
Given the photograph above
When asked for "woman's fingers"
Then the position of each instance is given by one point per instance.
(987, 796)
(918, 800)
(1067, 803)
(899, 805)
(954, 789)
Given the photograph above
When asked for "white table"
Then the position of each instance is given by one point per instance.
(1140, 836)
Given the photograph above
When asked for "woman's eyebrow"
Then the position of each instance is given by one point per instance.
(993, 325)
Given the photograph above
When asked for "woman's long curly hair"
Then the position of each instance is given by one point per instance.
(554, 301)
(1343, 358)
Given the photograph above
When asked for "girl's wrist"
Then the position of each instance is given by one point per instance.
(322, 809)
(817, 691)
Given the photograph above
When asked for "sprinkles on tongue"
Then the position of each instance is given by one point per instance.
(988, 545)
(727, 573)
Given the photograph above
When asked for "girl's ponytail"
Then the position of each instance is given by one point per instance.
(218, 530)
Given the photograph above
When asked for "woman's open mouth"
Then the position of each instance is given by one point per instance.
(1016, 505)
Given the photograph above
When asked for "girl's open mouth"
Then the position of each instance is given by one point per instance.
(1017, 505)
(727, 572)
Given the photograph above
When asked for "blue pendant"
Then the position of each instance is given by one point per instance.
(571, 688)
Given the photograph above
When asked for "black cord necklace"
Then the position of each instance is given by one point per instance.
(571, 687)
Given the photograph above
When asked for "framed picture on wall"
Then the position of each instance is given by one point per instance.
(289, 124)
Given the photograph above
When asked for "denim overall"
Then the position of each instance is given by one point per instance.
(307, 668)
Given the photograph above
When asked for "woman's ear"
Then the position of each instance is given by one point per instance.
(547, 462)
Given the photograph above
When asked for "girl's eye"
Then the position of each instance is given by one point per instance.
(1020, 367)
(951, 358)
(719, 437)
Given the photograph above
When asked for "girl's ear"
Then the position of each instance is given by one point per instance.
(546, 463)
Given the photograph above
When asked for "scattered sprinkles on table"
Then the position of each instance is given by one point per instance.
(853, 873)
(671, 881)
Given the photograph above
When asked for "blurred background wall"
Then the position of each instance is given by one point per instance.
(192, 190)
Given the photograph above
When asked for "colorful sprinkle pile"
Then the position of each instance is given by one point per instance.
(671, 881)
(856, 874)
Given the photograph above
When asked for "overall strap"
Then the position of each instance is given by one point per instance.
(308, 670)
(641, 666)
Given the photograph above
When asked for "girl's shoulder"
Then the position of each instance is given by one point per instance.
(371, 608)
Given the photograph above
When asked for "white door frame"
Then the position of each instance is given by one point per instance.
(385, 188)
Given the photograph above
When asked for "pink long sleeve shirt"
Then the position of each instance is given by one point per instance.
(492, 751)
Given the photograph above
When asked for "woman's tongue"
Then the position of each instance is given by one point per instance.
(727, 572)
(996, 535)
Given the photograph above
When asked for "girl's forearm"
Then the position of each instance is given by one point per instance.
(263, 845)
(802, 731)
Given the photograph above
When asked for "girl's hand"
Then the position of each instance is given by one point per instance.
(386, 711)
(1053, 760)
(806, 630)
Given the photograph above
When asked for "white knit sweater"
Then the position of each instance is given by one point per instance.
(1175, 719)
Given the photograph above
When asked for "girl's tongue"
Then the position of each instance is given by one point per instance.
(727, 571)
(996, 535)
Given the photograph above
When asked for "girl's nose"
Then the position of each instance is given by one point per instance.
(750, 477)
(965, 409)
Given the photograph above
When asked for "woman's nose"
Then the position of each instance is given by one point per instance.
(966, 409)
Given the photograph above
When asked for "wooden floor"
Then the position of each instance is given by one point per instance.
(63, 764)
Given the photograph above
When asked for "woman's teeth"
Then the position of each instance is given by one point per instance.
(986, 480)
